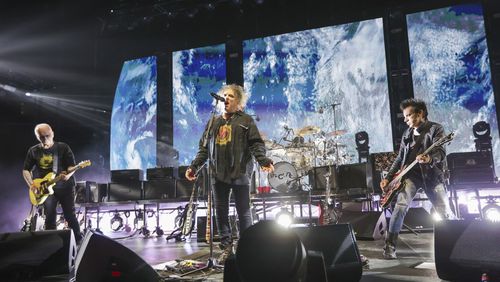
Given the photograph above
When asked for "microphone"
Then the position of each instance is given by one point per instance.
(217, 97)
(320, 111)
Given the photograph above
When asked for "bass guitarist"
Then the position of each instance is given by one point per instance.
(49, 156)
(428, 174)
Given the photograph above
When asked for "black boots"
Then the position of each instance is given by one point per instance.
(390, 245)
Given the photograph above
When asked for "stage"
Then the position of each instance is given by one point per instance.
(415, 258)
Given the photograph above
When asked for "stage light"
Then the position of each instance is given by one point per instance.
(116, 222)
(436, 217)
(362, 145)
(28, 94)
(482, 132)
(284, 218)
(481, 129)
(491, 211)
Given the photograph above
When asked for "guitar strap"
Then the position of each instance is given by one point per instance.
(418, 143)
(55, 162)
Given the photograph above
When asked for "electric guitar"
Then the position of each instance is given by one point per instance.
(391, 190)
(188, 226)
(42, 187)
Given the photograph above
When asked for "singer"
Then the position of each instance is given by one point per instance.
(237, 139)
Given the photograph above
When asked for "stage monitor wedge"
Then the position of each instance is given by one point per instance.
(28, 256)
(102, 259)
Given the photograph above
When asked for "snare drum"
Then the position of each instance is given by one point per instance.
(284, 177)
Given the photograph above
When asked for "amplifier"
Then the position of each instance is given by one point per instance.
(125, 191)
(86, 192)
(471, 167)
(352, 176)
(317, 177)
(159, 173)
(159, 189)
(124, 175)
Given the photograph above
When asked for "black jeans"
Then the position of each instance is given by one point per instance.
(222, 195)
(66, 198)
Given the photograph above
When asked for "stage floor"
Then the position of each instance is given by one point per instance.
(415, 257)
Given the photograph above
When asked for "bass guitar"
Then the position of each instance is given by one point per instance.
(391, 190)
(42, 187)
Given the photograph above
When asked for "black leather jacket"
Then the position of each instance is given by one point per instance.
(432, 172)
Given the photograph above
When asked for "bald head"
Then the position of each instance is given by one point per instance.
(45, 135)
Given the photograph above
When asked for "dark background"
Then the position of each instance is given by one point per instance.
(76, 49)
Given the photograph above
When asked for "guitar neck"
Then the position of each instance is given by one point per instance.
(60, 176)
(410, 166)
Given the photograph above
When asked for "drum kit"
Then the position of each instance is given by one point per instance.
(294, 157)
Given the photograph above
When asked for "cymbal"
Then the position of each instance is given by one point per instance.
(308, 130)
(336, 133)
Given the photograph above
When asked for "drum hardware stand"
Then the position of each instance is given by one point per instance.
(334, 105)
(209, 141)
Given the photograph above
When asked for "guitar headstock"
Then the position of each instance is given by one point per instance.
(447, 138)
(83, 164)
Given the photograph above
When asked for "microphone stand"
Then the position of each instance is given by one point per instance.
(208, 140)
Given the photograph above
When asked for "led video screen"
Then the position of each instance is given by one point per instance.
(451, 72)
(133, 119)
(196, 73)
(325, 84)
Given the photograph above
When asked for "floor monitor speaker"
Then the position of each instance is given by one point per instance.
(102, 259)
(464, 249)
(338, 246)
(31, 255)
(369, 225)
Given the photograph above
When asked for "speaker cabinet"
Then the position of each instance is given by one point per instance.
(160, 173)
(102, 259)
(419, 219)
(183, 188)
(159, 189)
(471, 167)
(317, 177)
(352, 176)
(31, 255)
(464, 249)
(87, 192)
(125, 175)
(366, 225)
(339, 249)
(125, 191)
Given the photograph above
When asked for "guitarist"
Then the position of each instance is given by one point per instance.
(49, 156)
(428, 174)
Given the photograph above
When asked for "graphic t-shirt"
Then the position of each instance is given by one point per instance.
(40, 162)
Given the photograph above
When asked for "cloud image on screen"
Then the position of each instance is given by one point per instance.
(196, 73)
(133, 119)
(451, 72)
(300, 79)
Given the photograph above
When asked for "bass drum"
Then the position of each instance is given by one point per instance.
(284, 178)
